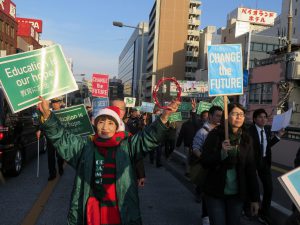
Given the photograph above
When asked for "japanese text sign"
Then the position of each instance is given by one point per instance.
(256, 16)
(76, 120)
(100, 84)
(225, 70)
(43, 72)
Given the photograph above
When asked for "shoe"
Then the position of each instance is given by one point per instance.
(61, 172)
(205, 221)
(51, 177)
(265, 219)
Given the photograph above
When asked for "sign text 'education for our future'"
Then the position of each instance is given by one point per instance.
(225, 70)
(43, 72)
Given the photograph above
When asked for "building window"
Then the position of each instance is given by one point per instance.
(260, 93)
(224, 40)
(258, 47)
(294, 30)
(295, 12)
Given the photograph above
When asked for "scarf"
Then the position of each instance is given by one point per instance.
(233, 154)
(111, 142)
(102, 206)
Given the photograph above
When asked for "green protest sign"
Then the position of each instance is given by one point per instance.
(203, 106)
(43, 72)
(219, 101)
(129, 102)
(76, 120)
(185, 106)
(175, 117)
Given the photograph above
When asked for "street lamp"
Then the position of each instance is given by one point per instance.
(120, 24)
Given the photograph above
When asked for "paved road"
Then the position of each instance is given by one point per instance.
(165, 200)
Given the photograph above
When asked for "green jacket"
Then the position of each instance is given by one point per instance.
(79, 153)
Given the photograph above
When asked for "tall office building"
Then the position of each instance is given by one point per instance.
(131, 60)
(173, 46)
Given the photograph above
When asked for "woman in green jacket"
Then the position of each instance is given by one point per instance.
(105, 191)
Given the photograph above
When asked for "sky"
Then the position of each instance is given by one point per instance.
(84, 28)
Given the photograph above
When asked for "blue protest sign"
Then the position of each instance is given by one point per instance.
(225, 70)
(99, 103)
(147, 107)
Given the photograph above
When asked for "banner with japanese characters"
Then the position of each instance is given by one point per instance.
(76, 120)
(100, 83)
(26, 76)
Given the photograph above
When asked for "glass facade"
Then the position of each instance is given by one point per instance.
(126, 65)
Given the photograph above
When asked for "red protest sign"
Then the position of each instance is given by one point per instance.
(100, 84)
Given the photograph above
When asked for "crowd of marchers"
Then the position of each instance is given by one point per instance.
(109, 165)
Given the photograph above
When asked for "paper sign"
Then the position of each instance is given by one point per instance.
(219, 101)
(129, 102)
(76, 120)
(185, 107)
(291, 183)
(281, 121)
(99, 103)
(100, 83)
(175, 117)
(189, 88)
(26, 76)
(225, 69)
(203, 106)
(147, 107)
(87, 102)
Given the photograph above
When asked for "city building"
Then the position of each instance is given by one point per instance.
(210, 35)
(173, 46)
(28, 34)
(244, 26)
(130, 60)
(8, 28)
(116, 89)
(280, 27)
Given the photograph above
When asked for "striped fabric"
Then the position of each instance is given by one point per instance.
(105, 186)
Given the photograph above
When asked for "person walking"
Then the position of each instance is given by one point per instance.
(263, 140)
(214, 119)
(56, 104)
(139, 163)
(104, 189)
(231, 172)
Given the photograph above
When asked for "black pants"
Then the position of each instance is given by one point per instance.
(169, 147)
(157, 151)
(265, 176)
(51, 159)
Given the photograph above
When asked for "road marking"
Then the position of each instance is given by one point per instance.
(34, 213)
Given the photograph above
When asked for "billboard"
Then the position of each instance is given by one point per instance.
(256, 16)
(189, 88)
(8, 7)
(36, 23)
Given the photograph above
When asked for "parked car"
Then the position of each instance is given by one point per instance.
(18, 141)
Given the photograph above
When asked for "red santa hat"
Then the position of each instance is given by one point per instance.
(114, 112)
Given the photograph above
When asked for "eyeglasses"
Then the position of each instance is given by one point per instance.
(236, 114)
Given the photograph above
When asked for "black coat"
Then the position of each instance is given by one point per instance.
(256, 144)
(217, 168)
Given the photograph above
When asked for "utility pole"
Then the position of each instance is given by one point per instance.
(290, 28)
